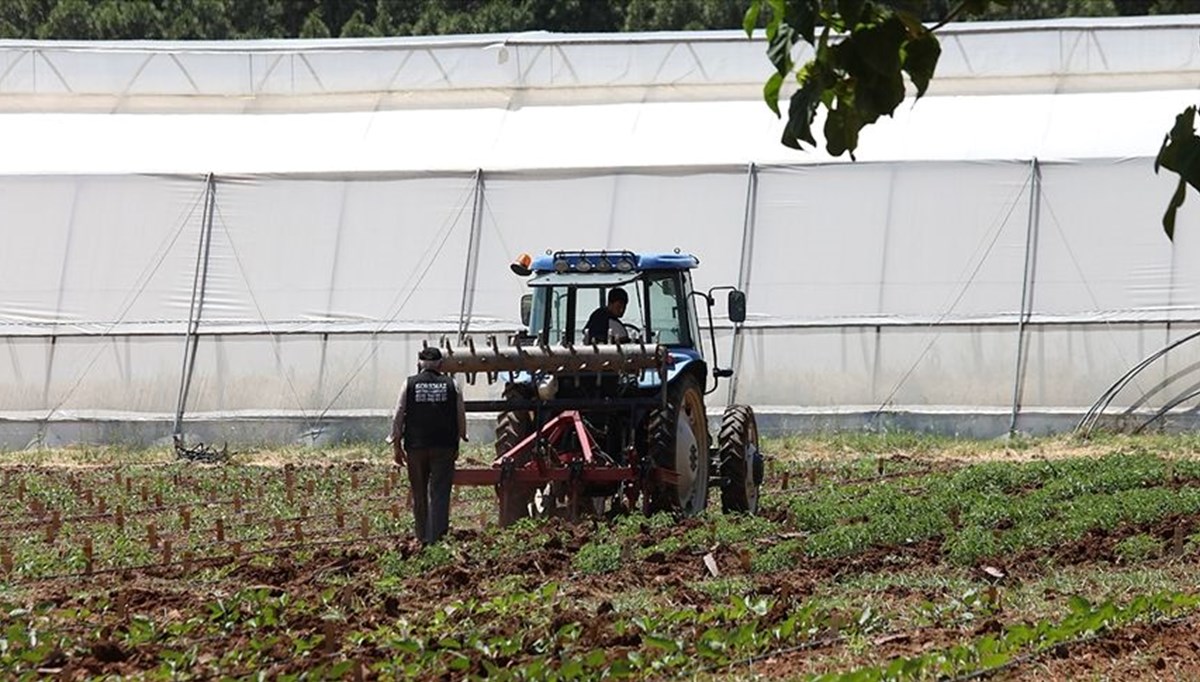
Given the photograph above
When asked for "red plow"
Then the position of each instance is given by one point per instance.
(549, 457)
(564, 459)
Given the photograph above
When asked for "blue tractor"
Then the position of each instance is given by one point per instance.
(591, 421)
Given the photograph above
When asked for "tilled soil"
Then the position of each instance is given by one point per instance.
(1167, 651)
(345, 578)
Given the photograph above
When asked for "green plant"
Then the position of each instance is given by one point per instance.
(778, 557)
(1137, 548)
(597, 557)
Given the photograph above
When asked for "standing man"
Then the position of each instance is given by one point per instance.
(604, 324)
(430, 420)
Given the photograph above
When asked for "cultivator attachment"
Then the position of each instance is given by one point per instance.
(493, 360)
(562, 466)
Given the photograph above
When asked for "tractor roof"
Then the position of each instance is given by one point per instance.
(613, 261)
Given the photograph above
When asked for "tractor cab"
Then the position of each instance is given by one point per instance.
(568, 287)
(567, 290)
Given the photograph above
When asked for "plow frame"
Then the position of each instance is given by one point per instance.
(541, 459)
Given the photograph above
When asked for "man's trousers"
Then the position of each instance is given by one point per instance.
(431, 475)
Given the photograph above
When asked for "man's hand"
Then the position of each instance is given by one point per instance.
(399, 455)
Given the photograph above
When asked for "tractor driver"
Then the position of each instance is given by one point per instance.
(604, 324)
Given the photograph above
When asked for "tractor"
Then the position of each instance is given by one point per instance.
(586, 427)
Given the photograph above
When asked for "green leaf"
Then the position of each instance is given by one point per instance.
(459, 662)
(841, 131)
(621, 668)
(801, 111)
(871, 60)
(779, 49)
(594, 659)
(879, 46)
(664, 643)
(920, 59)
(912, 22)
(776, 19)
(851, 11)
(1180, 151)
(802, 16)
(771, 92)
(751, 19)
(1079, 605)
(571, 669)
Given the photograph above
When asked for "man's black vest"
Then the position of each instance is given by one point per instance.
(431, 412)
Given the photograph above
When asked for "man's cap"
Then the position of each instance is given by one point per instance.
(430, 354)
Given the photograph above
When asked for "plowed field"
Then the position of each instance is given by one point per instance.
(875, 559)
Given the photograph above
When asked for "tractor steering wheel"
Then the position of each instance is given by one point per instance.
(634, 331)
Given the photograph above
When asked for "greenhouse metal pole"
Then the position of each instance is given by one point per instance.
(472, 267)
(58, 305)
(199, 283)
(748, 221)
(333, 272)
(1027, 286)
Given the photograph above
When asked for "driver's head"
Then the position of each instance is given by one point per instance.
(618, 300)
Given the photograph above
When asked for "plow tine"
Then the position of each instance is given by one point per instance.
(469, 359)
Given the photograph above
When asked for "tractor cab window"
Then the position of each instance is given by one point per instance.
(560, 313)
(559, 300)
(633, 320)
(669, 319)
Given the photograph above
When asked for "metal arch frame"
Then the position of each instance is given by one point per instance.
(1092, 416)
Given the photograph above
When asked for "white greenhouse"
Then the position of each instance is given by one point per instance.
(251, 240)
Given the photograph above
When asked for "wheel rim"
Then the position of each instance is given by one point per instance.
(691, 452)
(687, 462)
(693, 409)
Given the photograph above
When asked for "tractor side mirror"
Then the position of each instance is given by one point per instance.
(526, 308)
(736, 304)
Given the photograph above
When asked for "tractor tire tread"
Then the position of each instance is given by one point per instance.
(736, 424)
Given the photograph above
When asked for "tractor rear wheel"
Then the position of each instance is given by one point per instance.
(741, 465)
(677, 439)
(512, 427)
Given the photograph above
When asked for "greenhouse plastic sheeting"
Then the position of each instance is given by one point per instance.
(271, 230)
